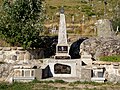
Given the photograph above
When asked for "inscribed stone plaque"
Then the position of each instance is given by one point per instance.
(62, 69)
(62, 49)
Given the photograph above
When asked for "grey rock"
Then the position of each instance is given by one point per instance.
(101, 46)
(104, 28)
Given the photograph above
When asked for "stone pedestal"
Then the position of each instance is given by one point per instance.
(64, 68)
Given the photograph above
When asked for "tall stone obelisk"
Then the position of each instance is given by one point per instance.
(62, 48)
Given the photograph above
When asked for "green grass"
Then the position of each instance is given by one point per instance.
(56, 85)
(115, 58)
(15, 86)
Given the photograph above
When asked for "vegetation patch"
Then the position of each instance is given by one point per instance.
(58, 85)
(115, 58)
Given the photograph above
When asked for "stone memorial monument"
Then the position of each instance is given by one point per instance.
(62, 66)
(62, 48)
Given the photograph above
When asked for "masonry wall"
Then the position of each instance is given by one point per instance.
(10, 54)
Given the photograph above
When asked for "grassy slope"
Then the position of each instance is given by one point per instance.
(77, 9)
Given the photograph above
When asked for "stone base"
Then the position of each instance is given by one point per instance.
(62, 57)
(63, 68)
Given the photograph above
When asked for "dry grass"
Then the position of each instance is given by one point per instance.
(4, 43)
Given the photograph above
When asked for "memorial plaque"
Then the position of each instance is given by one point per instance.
(62, 49)
(62, 69)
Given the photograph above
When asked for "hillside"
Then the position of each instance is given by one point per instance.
(78, 8)
(74, 11)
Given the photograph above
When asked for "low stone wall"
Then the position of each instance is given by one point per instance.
(10, 54)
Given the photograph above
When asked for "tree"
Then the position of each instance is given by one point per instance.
(21, 22)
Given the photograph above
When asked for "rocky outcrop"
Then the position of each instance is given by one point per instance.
(101, 46)
(104, 28)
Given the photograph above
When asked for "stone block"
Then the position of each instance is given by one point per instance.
(14, 48)
(1, 52)
(21, 56)
(1, 48)
(21, 52)
(4, 57)
(19, 48)
(85, 74)
(38, 74)
(1, 57)
(8, 57)
(86, 58)
(98, 79)
(27, 56)
(7, 48)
